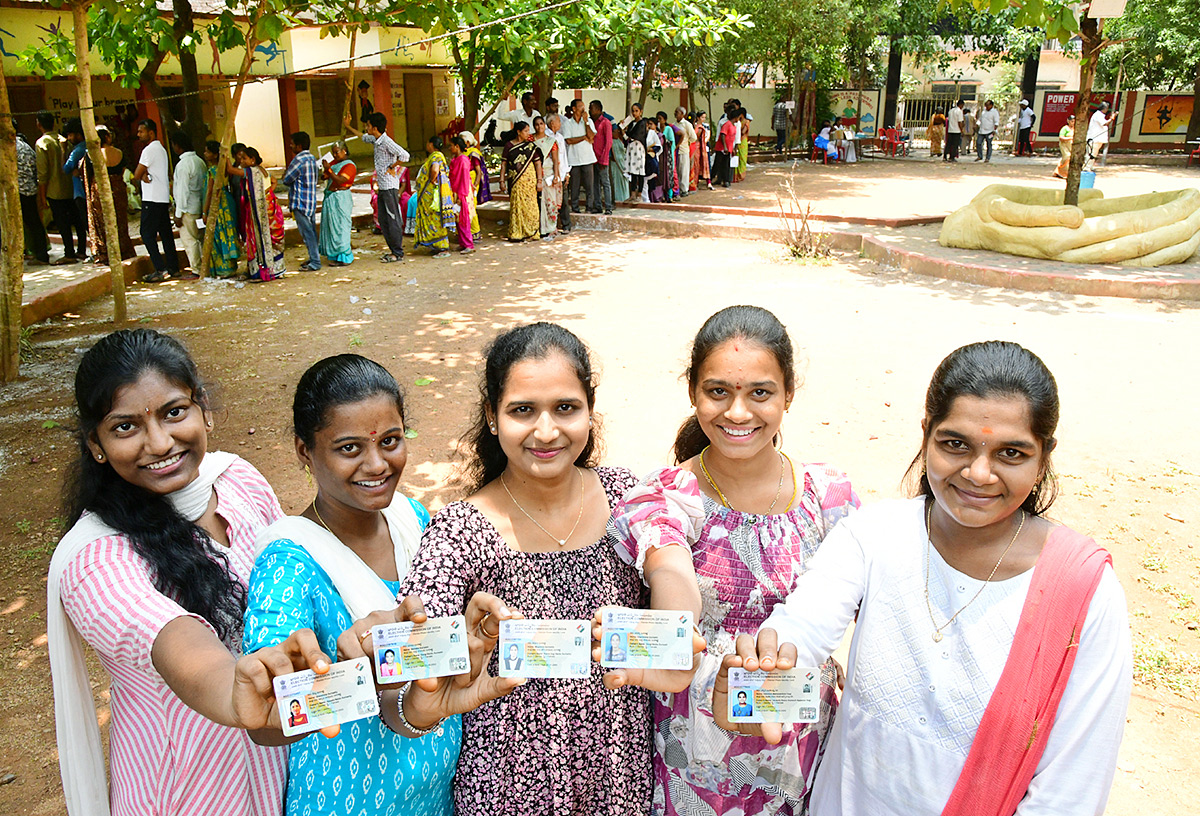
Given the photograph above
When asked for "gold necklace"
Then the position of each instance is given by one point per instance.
(562, 542)
(937, 630)
(323, 524)
(778, 490)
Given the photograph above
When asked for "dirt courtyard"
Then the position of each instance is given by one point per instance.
(868, 338)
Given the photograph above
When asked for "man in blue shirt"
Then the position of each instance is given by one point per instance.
(301, 177)
(73, 167)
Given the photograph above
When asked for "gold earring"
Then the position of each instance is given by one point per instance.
(308, 475)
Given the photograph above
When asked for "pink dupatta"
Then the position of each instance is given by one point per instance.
(1020, 714)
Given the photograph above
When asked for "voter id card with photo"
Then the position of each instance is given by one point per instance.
(308, 701)
(645, 639)
(792, 696)
(414, 651)
(545, 648)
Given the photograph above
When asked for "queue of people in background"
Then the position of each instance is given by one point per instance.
(990, 643)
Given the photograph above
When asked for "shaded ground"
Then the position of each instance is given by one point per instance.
(869, 340)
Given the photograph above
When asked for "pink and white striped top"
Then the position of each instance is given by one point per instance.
(164, 758)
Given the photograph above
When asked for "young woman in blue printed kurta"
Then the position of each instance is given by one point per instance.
(344, 556)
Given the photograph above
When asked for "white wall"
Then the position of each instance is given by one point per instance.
(259, 121)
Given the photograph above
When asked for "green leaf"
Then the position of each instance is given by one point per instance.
(424, 380)
(410, 433)
(49, 423)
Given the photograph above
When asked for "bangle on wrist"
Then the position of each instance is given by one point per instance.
(418, 732)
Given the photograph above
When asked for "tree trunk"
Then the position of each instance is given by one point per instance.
(148, 76)
(891, 97)
(629, 80)
(13, 250)
(83, 80)
(1193, 131)
(1089, 32)
(1029, 77)
(210, 217)
(648, 68)
(543, 87)
(193, 107)
(348, 107)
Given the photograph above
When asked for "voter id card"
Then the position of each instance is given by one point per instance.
(645, 639)
(792, 696)
(308, 701)
(545, 648)
(414, 651)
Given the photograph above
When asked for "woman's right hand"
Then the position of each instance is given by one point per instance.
(764, 654)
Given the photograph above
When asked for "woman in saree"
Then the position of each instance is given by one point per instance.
(115, 166)
(743, 148)
(435, 201)
(480, 180)
(700, 165)
(224, 260)
(936, 132)
(634, 126)
(617, 164)
(654, 188)
(551, 186)
(337, 205)
(521, 172)
(262, 220)
(666, 159)
(464, 195)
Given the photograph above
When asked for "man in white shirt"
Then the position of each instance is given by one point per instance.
(578, 131)
(526, 113)
(954, 132)
(1097, 134)
(685, 150)
(152, 172)
(191, 179)
(1025, 118)
(988, 123)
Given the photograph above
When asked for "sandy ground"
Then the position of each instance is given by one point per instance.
(869, 340)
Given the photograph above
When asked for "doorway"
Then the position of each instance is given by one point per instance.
(418, 110)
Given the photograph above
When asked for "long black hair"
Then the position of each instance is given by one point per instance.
(535, 341)
(994, 369)
(751, 324)
(339, 380)
(185, 563)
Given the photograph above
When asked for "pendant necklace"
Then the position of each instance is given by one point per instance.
(562, 542)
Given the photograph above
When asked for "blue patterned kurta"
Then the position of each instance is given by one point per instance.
(367, 769)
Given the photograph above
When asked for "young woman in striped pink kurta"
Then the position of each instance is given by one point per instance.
(153, 577)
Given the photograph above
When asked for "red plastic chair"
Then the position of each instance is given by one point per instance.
(1195, 154)
(820, 150)
(889, 140)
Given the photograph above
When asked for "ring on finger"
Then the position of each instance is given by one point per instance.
(484, 631)
(364, 635)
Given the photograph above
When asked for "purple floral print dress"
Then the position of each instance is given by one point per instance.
(746, 564)
(556, 747)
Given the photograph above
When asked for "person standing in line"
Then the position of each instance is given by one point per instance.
(189, 186)
(389, 157)
(73, 166)
(114, 165)
(579, 132)
(224, 258)
(954, 132)
(551, 108)
(968, 131)
(152, 173)
(301, 178)
(1097, 135)
(779, 123)
(686, 139)
(562, 221)
(725, 145)
(526, 113)
(702, 172)
(989, 123)
(36, 243)
(337, 206)
(616, 167)
(464, 194)
(602, 148)
(1025, 119)
(1066, 138)
(54, 187)
(551, 199)
(634, 126)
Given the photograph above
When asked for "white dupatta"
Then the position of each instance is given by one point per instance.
(360, 588)
(80, 757)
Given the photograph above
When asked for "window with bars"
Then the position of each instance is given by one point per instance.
(327, 97)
